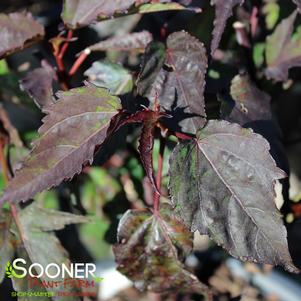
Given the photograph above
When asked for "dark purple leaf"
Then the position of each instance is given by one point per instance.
(151, 249)
(250, 103)
(73, 127)
(177, 79)
(78, 13)
(38, 85)
(283, 50)
(149, 120)
(18, 30)
(128, 42)
(223, 11)
(222, 184)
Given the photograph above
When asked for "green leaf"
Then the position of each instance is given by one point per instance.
(283, 49)
(40, 243)
(77, 123)
(272, 11)
(222, 184)
(258, 54)
(151, 249)
(111, 76)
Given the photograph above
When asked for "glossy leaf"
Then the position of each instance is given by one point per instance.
(222, 184)
(223, 11)
(250, 103)
(73, 127)
(38, 85)
(78, 13)
(128, 42)
(40, 243)
(151, 249)
(177, 79)
(18, 30)
(283, 49)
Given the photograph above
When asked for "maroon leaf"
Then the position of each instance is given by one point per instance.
(38, 85)
(251, 104)
(222, 184)
(177, 79)
(149, 119)
(151, 249)
(18, 30)
(223, 11)
(73, 127)
(128, 42)
(283, 50)
(78, 13)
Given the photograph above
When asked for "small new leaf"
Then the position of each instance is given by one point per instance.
(222, 184)
(74, 126)
(149, 120)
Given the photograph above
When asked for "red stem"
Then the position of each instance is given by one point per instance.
(159, 175)
(66, 45)
(79, 61)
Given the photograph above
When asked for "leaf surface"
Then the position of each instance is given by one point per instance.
(128, 42)
(18, 30)
(223, 11)
(283, 49)
(222, 184)
(250, 103)
(151, 249)
(38, 85)
(73, 127)
(78, 13)
(177, 78)
(42, 246)
(111, 76)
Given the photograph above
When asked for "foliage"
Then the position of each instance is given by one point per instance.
(223, 147)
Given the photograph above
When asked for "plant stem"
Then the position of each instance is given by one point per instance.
(79, 61)
(159, 174)
(5, 172)
(66, 45)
